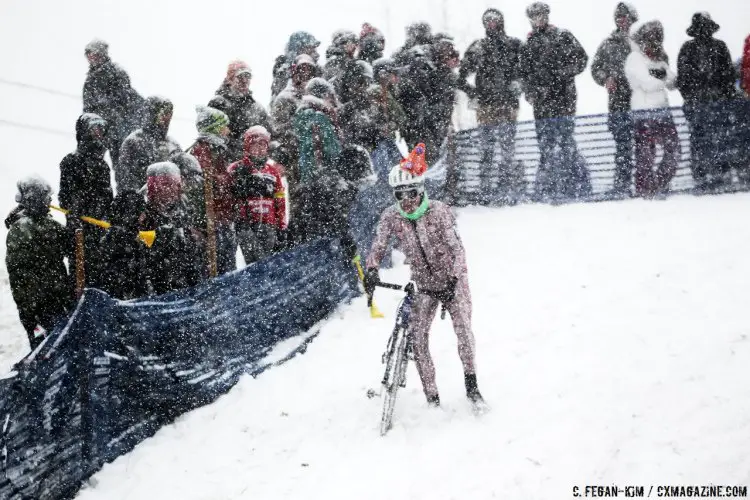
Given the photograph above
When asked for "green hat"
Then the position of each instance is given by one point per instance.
(210, 120)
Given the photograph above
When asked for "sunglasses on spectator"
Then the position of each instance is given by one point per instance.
(407, 194)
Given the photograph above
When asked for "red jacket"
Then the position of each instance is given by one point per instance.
(259, 193)
(745, 70)
(213, 163)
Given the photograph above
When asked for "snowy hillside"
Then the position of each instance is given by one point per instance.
(612, 342)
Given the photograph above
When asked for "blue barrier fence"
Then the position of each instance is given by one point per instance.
(115, 372)
(467, 153)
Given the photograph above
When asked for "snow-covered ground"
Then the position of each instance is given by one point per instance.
(612, 343)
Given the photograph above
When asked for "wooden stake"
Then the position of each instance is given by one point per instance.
(80, 270)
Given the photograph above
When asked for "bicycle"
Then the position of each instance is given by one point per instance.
(398, 351)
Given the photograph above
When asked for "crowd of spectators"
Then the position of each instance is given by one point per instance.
(264, 179)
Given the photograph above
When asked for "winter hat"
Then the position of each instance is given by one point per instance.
(303, 60)
(97, 46)
(537, 9)
(237, 68)
(419, 32)
(625, 9)
(163, 184)
(257, 132)
(343, 37)
(492, 13)
(320, 88)
(702, 24)
(651, 33)
(86, 122)
(410, 170)
(210, 120)
(34, 194)
(370, 30)
(187, 163)
(220, 103)
(298, 41)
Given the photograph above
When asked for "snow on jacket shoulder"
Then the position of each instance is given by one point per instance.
(649, 92)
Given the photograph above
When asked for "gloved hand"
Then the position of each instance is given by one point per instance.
(372, 278)
(449, 293)
(659, 73)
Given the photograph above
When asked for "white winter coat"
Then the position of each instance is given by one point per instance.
(649, 92)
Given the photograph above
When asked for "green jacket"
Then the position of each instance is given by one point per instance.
(318, 139)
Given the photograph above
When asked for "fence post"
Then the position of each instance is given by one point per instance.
(452, 166)
(208, 192)
(80, 262)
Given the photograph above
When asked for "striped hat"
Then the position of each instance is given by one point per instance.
(210, 120)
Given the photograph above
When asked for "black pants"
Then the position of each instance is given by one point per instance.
(622, 129)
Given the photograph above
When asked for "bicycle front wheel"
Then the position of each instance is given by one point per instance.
(395, 376)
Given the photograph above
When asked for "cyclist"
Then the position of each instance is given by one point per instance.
(426, 231)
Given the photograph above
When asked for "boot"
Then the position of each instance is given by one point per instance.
(472, 391)
(433, 401)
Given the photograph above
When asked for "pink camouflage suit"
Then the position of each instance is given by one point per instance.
(435, 252)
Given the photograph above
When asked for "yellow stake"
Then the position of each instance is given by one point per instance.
(374, 311)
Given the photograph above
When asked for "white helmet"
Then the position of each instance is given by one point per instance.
(399, 177)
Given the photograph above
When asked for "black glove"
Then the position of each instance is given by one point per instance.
(449, 293)
(372, 278)
(659, 73)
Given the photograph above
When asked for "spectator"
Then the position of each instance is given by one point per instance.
(194, 207)
(417, 34)
(35, 248)
(550, 61)
(241, 108)
(390, 118)
(745, 69)
(427, 93)
(649, 76)
(85, 187)
(705, 78)
(608, 70)
(300, 42)
(495, 61)
(339, 55)
(357, 115)
(147, 145)
(259, 197)
(107, 93)
(210, 149)
(285, 106)
(173, 262)
(371, 43)
(316, 128)
(328, 198)
(123, 272)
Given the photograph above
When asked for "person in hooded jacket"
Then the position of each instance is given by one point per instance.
(371, 44)
(300, 42)
(284, 108)
(608, 70)
(210, 149)
(123, 262)
(358, 121)
(36, 246)
(242, 108)
(550, 61)
(648, 73)
(339, 55)
(173, 260)
(107, 92)
(85, 187)
(259, 197)
(426, 233)
(327, 200)
(317, 130)
(147, 145)
(705, 78)
(495, 60)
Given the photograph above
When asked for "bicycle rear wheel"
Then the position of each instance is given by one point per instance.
(394, 378)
